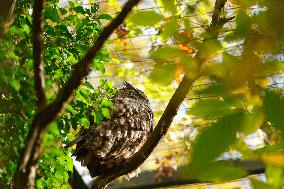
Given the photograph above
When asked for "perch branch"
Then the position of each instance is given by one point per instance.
(165, 121)
(38, 40)
(158, 133)
(25, 174)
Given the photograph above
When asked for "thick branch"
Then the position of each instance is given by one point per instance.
(147, 179)
(25, 175)
(165, 121)
(158, 133)
(38, 40)
(219, 4)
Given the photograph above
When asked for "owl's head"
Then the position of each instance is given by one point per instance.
(132, 92)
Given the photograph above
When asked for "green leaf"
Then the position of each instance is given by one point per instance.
(99, 66)
(163, 74)
(89, 85)
(170, 5)
(214, 89)
(252, 121)
(273, 106)
(79, 9)
(52, 14)
(85, 122)
(275, 176)
(210, 108)
(145, 18)
(270, 68)
(190, 65)
(15, 84)
(214, 140)
(107, 103)
(209, 49)
(170, 28)
(98, 117)
(105, 17)
(165, 53)
(243, 23)
(220, 171)
(105, 112)
(258, 184)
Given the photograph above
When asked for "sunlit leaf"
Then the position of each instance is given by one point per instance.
(170, 5)
(105, 16)
(98, 117)
(273, 159)
(165, 53)
(189, 64)
(220, 171)
(107, 103)
(106, 113)
(99, 66)
(163, 73)
(85, 122)
(278, 148)
(214, 107)
(209, 49)
(275, 176)
(270, 68)
(258, 184)
(170, 28)
(252, 121)
(145, 18)
(214, 140)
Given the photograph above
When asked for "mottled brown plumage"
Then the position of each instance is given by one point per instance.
(103, 146)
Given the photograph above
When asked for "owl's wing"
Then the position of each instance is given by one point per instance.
(133, 121)
(115, 140)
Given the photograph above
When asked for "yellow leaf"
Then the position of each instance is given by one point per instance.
(179, 74)
(186, 48)
(274, 159)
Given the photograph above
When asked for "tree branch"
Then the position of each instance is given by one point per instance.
(219, 4)
(25, 175)
(147, 179)
(165, 121)
(38, 40)
(159, 132)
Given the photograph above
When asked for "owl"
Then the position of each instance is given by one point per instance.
(114, 140)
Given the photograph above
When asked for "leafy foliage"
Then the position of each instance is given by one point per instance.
(233, 96)
(69, 32)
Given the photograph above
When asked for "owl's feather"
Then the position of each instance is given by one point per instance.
(113, 141)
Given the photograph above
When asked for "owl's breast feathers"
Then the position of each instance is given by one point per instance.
(103, 146)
